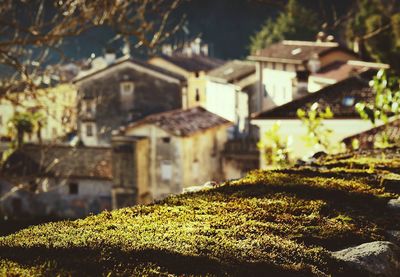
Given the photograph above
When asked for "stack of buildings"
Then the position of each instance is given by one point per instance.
(148, 129)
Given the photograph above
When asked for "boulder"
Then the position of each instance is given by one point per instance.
(394, 204)
(379, 258)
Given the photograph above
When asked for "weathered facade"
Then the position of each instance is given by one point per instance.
(124, 91)
(283, 68)
(185, 148)
(56, 180)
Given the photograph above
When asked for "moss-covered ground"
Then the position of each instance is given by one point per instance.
(269, 223)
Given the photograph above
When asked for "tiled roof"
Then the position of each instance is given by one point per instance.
(86, 74)
(367, 138)
(194, 62)
(233, 70)
(297, 51)
(340, 70)
(60, 161)
(183, 122)
(340, 97)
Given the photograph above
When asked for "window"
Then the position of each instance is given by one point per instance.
(73, 188)
(126, 95)
(197, 97)
(195, 169)
(348, 101)
(166, 170)
(89, 130)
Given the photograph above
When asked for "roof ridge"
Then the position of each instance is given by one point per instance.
(310, 43)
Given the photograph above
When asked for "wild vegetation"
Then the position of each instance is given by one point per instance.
(282, 221)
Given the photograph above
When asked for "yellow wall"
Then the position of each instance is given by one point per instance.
(58, 105)
(193, 82)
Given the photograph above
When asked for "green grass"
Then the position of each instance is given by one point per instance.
(280, 222)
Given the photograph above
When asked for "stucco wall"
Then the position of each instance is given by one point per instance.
(152, 94)
(296, 130)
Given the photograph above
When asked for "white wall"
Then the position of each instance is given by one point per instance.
(279, 85)
(294, 128)
(225, 101)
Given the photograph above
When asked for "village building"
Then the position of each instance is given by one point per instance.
(283, 69)
(192, 61)
(184, 148)
(56, 113)
(340, 97)
(118, 91)
(338, 71)
(231, 92)
(56, 180)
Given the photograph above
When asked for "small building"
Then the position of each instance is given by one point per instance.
(57, 180)
(338, 71)
(340, 97)
(231, 92)
(283, 68)
(184, 148)
(118, 91)
(193, 62)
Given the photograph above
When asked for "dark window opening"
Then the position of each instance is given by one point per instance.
(89, 130)
(197, 98)
(73, 188)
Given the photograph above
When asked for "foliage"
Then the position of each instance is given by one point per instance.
(317, 133)
(282, 222)
(375, 27)
(24, 123)
(294, 22)
(274, 147)
(386, 105)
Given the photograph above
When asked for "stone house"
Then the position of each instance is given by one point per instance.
(193, 62)
(340, 97)
(283, 69)
(184, 148)
(56, 180)
(122, 91)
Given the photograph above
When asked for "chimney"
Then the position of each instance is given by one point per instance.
(110, 56)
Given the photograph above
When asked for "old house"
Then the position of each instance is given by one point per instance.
(56, 104)
(231, 93)
(340, 97)
(192, 61)
(122, 91)
(184, 148)
(283, 69)
(57, 180)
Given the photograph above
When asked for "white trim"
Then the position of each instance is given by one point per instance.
(128, 63)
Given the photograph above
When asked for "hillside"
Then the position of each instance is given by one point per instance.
(282, 222)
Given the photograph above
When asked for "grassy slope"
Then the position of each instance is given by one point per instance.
(277, 222)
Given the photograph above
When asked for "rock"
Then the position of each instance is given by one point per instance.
(394, 204)
(391, 182)
(207, 185)
(378, 258)
(394, 236)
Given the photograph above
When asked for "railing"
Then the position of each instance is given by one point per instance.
(241, 146)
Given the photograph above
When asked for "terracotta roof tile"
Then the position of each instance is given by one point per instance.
(193, 63)
(298, 51)
(184, 122)
(233, 70)
(60, 161)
